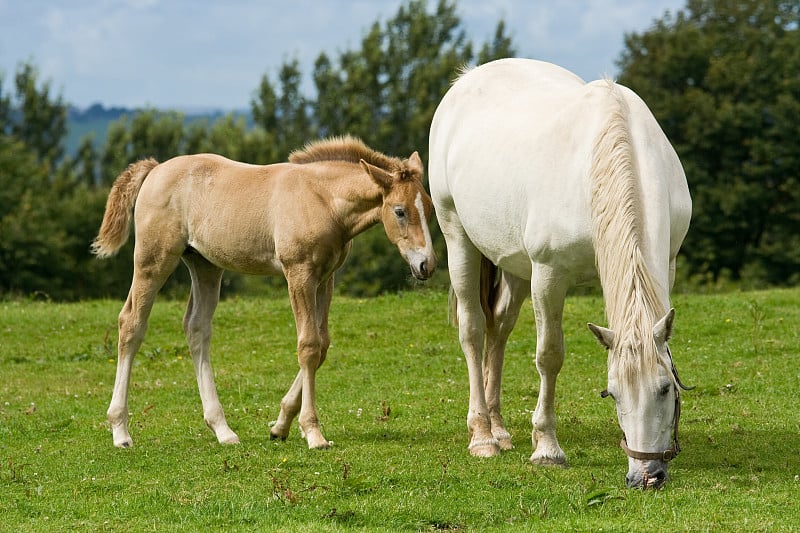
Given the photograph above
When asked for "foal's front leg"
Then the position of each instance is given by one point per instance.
(311, 347)
(292, 401)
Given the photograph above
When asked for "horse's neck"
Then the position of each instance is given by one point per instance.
(357, 202)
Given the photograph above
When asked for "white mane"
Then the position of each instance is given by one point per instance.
(630, 291)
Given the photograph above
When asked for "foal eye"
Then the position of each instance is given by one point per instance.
(399, 212)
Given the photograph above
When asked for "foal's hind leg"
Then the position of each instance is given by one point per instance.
(510, 296)
(203, 301)
(148, 277)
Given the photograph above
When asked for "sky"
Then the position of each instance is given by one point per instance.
(195, 54)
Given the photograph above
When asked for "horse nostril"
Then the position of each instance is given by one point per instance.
(423, 268)
(655, 480)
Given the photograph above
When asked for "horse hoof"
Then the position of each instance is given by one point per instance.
(275, 436)
(503, 439)
(124, 444)
(484, 448)
(505, 444)
(548, 461)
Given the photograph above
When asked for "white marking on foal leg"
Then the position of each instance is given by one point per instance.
(118, 409)
(290, 406)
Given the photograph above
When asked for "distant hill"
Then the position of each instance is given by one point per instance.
(96, 119)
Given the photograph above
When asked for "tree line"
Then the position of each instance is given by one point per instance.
(721, 76)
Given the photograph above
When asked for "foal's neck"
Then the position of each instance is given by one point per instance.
(357, 202)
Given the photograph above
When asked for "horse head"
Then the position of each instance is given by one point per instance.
(647, 401)
(406, 211)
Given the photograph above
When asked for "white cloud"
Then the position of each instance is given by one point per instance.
(188, 53)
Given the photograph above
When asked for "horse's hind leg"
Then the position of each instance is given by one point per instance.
(464, 263)
(148, 278)
(511, 294)
(203, 301)
(548, 290)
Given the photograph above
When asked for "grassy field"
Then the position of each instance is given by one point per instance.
(393, 398)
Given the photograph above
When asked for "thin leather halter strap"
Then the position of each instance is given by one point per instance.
(668, 454)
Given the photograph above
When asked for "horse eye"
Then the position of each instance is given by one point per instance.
(666, 389)
(399, 212)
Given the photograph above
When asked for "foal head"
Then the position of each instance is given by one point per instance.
(646, 389)
(406, 212)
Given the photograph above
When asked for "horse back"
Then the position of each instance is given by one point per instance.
(511, 153)
(234, 214)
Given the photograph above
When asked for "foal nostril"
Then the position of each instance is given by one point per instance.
(423, 268)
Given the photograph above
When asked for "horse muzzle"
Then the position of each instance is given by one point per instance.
(647, 475)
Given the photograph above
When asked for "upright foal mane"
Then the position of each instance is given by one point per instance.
(630, 291)
(347, 148)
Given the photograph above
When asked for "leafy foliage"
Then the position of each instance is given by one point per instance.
(720, 76)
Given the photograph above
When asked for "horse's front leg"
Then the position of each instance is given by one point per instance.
(548, 294)
(292, 401)
(511, 294)
(303, 296)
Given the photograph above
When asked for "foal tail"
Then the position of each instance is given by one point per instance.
(116, 224)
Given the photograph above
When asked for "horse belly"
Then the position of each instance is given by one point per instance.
(243, 250)
(236, 236)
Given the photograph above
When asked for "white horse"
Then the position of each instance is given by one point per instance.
(554, 181)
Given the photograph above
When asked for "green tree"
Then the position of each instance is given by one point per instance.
(284, 116)
(721, 77)
(34, 116)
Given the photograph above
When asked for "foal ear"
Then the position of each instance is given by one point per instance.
(604, 335)
(415, 164)
(662, 331)
(378, 175)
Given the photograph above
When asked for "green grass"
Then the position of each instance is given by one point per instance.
(393, 398)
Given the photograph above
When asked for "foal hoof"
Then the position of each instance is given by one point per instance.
(226, 435)
(276, 436)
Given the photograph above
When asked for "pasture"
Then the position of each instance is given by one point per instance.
(392, 396)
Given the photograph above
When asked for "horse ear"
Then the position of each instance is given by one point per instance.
(415, 164)
(378, 175)
(604, 335)
(662, 331)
